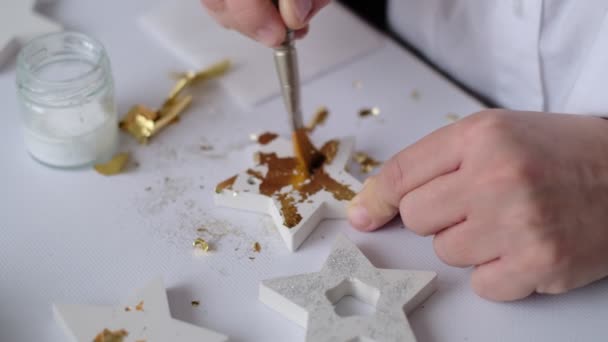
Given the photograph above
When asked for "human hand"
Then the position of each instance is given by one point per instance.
(260, 19)
(522, 197)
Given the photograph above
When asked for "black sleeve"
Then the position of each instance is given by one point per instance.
(373, 11)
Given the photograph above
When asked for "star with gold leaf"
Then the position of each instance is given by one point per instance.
(297, 204)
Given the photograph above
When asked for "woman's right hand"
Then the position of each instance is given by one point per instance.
(260, 19)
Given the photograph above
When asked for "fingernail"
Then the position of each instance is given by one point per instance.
(303, 8)
(267, 35)
(359, 217)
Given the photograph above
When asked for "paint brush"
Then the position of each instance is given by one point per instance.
(286, 62)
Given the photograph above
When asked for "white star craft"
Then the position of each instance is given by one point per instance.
(18, 24)
(144, 317)
(245, 191)
(308, 299)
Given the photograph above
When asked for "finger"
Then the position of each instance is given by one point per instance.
(499, 280)
(468, 243)
(436, 205)
(258, 19)
(435, 155)
(297, 13)
(301, 33)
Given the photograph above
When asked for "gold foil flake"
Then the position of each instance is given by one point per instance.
(113, 167)
(289, 211)
(255, 174)
(257, 247)
(226, 185)
(266, 138)
(319, 119)
(195, 303)
(111, 336)
(367, 112)
(329, 150)
(143, 123)
(139, 306)
(191, 78)
(452, 117)
(201, 244)
(367, 163)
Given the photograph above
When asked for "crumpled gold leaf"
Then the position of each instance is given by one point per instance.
(113, 167)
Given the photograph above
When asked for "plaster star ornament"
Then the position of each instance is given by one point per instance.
(18, 24)
(144, 317)
(308, 299)
(296, 203)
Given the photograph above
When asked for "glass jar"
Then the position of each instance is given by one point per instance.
(66, 92)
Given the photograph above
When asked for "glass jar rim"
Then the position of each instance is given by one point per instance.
(81, 85)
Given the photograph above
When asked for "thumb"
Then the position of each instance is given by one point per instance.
(370, 210)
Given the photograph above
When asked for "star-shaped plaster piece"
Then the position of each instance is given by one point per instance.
(20, 23)
(144, 317)
(296, 210)
(308, 299)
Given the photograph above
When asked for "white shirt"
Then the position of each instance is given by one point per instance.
(543, 55)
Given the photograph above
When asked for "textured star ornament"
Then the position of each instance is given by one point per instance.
(296, 210)
(18, 24)
(308, 299)
(144, 317)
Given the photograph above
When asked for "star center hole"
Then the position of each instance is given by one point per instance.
(353, 297)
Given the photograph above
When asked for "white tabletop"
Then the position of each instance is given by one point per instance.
(78, 237)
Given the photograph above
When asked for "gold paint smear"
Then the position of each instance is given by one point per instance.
(113, 167)
(329, 150)
(319, 119)
(289, 211)
(226, 185)
(111, 336)
(266, 138)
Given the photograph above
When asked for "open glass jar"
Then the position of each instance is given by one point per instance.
(66, 91)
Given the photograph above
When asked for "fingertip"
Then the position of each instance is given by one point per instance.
(359, 217)
(296, 13)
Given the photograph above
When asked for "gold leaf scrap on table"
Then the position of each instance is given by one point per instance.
(452, 117)
(367, 112)
(257, 247)
(415, 95)
(111, 336)
(287, 182)
(318, 119)
(113, 167)
(367, 163)
(139, 306)
(144, 123)
(201, 244)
